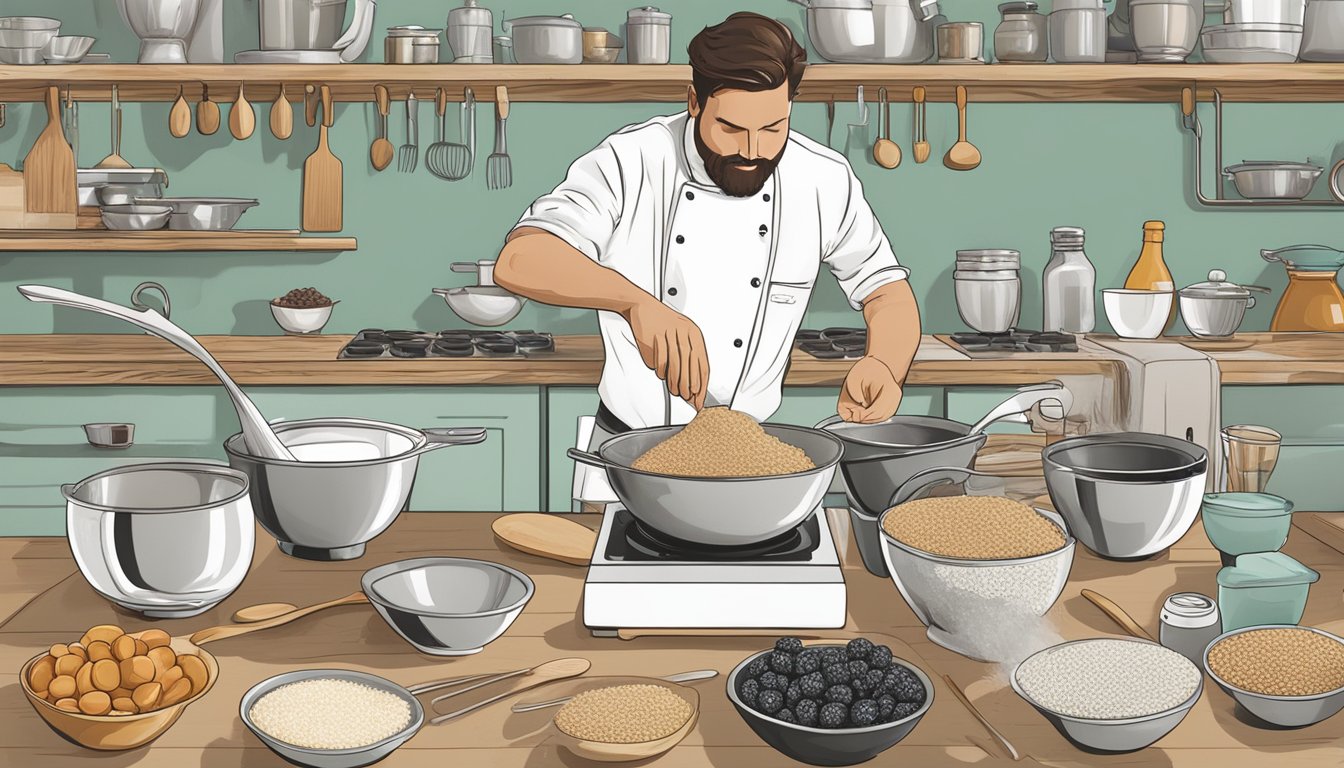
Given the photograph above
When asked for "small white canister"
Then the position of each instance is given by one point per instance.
(1190, 622)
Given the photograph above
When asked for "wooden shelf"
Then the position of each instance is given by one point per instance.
(667, 83)
(166, 240)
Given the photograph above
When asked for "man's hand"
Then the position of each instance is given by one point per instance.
(870, 394)
(672, 345)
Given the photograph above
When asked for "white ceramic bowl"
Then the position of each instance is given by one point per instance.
(1137, 314)
(486, 305)
(300, 320)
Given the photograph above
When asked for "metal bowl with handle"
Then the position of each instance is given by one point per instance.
(717, 511)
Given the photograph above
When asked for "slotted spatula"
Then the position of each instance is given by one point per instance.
(499, 167)
(322, 192)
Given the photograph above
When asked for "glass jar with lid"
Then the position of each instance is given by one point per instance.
(1022, 34)
(988, 289)
(1069, 284)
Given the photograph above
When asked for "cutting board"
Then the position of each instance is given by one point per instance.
(322, 179)
(12, 206)
(49, 170)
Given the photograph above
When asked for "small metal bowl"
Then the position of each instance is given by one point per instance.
(448, 606)
(332, 758)
(110, 435)
(67, 49)
(135, 218)
(1282, 711)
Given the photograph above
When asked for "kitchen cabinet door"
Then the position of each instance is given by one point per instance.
(564, 407)
(499, 475)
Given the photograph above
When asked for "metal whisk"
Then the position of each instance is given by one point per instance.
(410, 151)
(498, 167)
(437, 155)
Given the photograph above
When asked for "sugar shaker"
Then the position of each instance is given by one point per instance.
(1189, 623)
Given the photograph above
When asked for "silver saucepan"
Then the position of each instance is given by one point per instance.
(717, 511)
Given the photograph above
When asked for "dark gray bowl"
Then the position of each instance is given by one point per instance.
(828, 746)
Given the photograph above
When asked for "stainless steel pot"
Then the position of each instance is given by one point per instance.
(1323, 31)
(1078, 32)
(546, 39)
(717, 511)
(1263, 11)
(1126, 495)
(1215, 309)
(872, 31)
(1165, 31)
(988, 289)
(411, 44)
(1269, 180)
(649, 31)
(1021, 35)
(960, 41)
(351, 480)
(167, 540)
(316, 25)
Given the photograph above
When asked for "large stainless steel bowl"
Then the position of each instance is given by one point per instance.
(448, 606)
(1126, 495)
(166, 539)
(352, 479)
(718, 511)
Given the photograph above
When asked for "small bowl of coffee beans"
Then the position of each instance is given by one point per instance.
(302, 310)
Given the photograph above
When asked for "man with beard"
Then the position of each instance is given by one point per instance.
(698, 237)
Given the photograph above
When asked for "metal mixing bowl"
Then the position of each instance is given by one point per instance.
(332, 758)
(203, 214)
(67, 49)
(167, 540)
(1283, 711)
(448, 606)
(1272, 180)
(1120, 735)
(1126, 495)
(28, 32)
(135, 218)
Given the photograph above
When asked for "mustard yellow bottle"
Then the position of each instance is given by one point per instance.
(1150, 272)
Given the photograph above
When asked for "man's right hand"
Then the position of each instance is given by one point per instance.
(672, 345)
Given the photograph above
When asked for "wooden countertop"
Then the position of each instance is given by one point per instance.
(45, 600)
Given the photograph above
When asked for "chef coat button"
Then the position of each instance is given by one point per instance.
(737, 342)
(766, 197)
(755, 282)
(671, 291)
(680, 239)
(763, 230)
(690, 195)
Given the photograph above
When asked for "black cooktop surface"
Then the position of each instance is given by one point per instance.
(633, 541)
(1017, 340)
(373, 343)
(833, 343)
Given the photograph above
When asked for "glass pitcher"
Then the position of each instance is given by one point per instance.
(1312, 301)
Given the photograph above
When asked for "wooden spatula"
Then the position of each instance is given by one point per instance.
(322, 179)
(549, 536)
(49, 169)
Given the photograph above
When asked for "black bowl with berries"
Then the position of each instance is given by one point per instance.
(830, 704)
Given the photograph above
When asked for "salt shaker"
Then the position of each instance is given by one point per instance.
(1189, 623)
(1069, 283)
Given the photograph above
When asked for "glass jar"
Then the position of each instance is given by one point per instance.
(1021, 35)
(1069, 284)
(988, 289)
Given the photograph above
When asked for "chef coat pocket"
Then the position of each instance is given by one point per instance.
(788, 294)
(784, 307)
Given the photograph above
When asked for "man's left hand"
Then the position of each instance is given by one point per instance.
(870, 394)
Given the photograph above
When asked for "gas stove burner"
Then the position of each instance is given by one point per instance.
(851, 344)
(453, 349)
(374, 336)
(1017, 340)
(1051, 338)
(451, 342)
(832, 334)
(503, 346)
(410, 348)
(806, 335)
(403, 335)
(534, 341)
(632, 540)
(456, 334)
(822, 350)
(364, 349)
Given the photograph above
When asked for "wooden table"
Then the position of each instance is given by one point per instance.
(45, 600)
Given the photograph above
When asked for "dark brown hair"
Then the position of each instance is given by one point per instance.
(747, 52)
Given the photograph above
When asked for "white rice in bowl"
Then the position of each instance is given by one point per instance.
(1107, 679)
(328, 713)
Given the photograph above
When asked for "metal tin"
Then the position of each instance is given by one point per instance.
(960, 41)
(988, 289)
(468, 33)
(1022, 34)
(1190, 622)
(411, 44)
(650, 36)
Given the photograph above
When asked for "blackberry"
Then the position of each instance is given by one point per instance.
(886, 704)
(859, 648)
(767, 680)
(757, 667)
(789, 645)
(770, 701)
(858, 668)
(781, 663)
(875, 678)
(862, 687)
(909, 691)
(748, 692)
(831, 656)
(813, 685)
(807, 711)
(904, 709)
(840, 694)
(879, 657)
(793, 694)
(864, 712)
(892, 678)
(833, 716)
(806, 662)
(785, 715)
(836, 674)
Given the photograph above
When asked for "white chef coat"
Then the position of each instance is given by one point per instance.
(641, 203)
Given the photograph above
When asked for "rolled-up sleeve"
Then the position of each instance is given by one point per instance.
(860, 256)
(585, 209)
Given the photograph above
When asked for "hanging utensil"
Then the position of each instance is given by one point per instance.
(49, 174)
(410, 151)
(1007, 746)
(115, 160)
(282, 116)
(681, 677)
(886, 152)
(381, 151)
(207, 113)
(830, 119)
(437, 156)
(310, 104)
(560, 669)
(499, 167)
(242, 118)
(856, 135)
(963, 156)
(458, 157)
(921, 145)
(547, 536)
(179, 117)
(70, 123)
(257, 434)
(322, 179)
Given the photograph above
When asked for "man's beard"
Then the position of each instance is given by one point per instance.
(727, 173)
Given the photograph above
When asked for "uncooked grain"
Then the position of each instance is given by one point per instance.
(326, 713)
(721, 442)
(1280, 662)
(624, 714)
(1105, 679)
(973, 528)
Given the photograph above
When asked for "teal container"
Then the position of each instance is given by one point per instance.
(1263, 588)
(1242, 523)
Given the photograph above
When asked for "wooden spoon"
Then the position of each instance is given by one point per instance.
(282, 116)
(963, 156)
(233, 630)
(382, 151)
(549, 536)
(921, 147)
(207, 113)
(242, 118)
(261, 612)
(559, 669)
(179, 117)
(975, 711)
(886, 152)
(1117, 614)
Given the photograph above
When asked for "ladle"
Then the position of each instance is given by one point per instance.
(1022, 402)
(257, 434)
(963, 156)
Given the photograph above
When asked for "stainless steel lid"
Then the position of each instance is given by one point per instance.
(1067, 235)
(1217, 287)
(1078, 5)
(565, 22)
(471, 14)
(1027, 6)
(988, 260)
(650, 15)
(1272, 165)
(413, 30)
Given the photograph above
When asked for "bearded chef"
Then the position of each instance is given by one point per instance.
(698, 237)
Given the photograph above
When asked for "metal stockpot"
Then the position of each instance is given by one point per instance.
(649, 32)
(546, 39)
